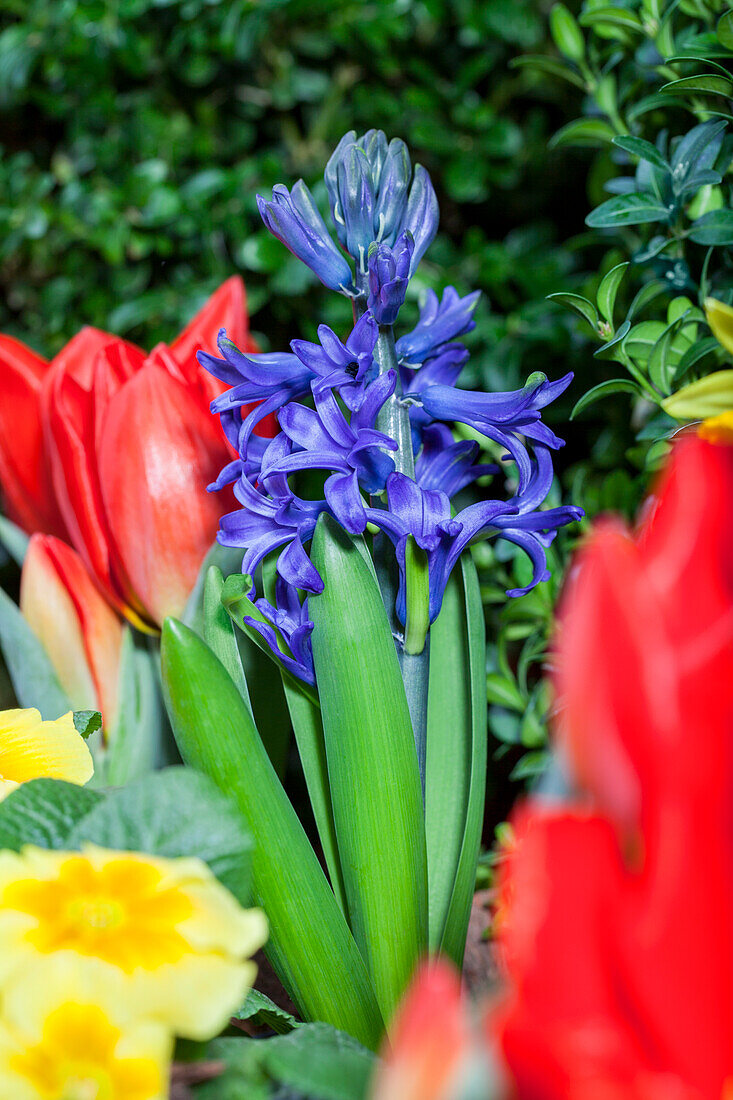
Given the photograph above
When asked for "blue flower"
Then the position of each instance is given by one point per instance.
(502, 417)
(344, 366)
(442, 370)
(326, 440)
(367, 181)
(294, 219)
(287, 623)
(389, 274)
(271, 379)
(440, 321)
(448, 465)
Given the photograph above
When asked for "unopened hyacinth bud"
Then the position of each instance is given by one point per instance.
(389, 274)
(368, 182)
(294, 219)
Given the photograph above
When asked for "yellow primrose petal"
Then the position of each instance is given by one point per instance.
(145, 917)
(708, 396)
(66, 1033)
(720, 318)
(717, 429)
(33, 749)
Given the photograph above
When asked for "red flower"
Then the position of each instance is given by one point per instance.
(617, 918)
(434, 1052)
(80, 633)
(130, 446)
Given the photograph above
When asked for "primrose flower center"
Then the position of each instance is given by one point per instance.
(96, 913)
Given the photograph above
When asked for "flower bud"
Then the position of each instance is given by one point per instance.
(389, 274)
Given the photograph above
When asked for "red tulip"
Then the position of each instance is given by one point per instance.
(130, 445)
(434, 1052)
(80, 633)
(24, 470)
(617, 922)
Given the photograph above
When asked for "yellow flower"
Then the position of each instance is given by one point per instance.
(33, 749)
(67, 1033)
(717, 429)
(175, 935)
(720, 318)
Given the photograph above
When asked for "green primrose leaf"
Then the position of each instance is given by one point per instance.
(87, 722)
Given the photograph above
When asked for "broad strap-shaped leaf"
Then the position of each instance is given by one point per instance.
(140, 739)
(308, 730)
(372, 765)
(456, 759)
(218, 632)
(310, 945)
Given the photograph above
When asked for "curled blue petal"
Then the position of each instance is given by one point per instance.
(440, 322)
(294, 219)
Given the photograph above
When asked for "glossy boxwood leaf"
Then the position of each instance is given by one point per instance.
(638, 147)
(713, 228)
(724, 30)
(607, 291)
(605, 389)
(43, 812)
(610, 349)
(566, 33)
(579, 305)
(551, 66)
(172, 813)
(637, 208)
(710, 84)
(582, 132)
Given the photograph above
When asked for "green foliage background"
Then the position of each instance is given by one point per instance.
(135, 136)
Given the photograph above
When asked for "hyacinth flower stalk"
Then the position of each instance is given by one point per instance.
(356, 579)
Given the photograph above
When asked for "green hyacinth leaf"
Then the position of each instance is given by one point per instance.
(372, 765)
(310, 945)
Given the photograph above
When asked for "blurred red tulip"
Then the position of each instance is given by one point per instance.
(24, 470)
(617, 919)
(80, 633)
(130, 445)
(434, 1051)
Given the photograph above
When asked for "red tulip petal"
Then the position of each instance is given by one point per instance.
(80, 633)
(23, 468)
(226, 308)
(77, 358)
(430, 1040)
(159, 451)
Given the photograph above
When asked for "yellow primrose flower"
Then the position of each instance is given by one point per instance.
(33, 749)
(178, 938)
(717, 429)
(66, 1033)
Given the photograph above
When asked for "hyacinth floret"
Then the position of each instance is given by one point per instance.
(339, 401)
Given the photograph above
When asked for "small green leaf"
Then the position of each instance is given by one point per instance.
(724, 30)
(613, 16)
(610, 350)
(713, 228)
(503, 692)
(709, 84)
(660, 365)
(551, 66)
(87, 722)
(566, 33)
(607, 291)
(583, 132)
(642, 149)
(637, 208)
(262, 1011)
(580, 305)
(604, 389)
